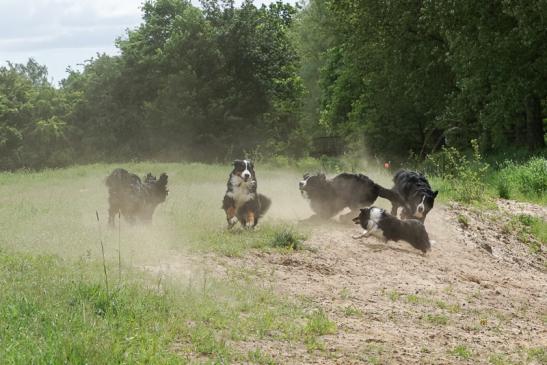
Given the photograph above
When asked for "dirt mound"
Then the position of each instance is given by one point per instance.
(461, 303)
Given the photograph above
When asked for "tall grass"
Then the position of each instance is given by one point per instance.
(470, 179)
(52, 311)
(523, 181)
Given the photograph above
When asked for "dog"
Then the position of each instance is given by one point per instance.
(330, 196)
(133, 198)
(241, 202)
(416, 192)
(377, 222)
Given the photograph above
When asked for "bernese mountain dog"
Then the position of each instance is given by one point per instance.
(134, 198)
(416, 192)
(377, 222)
(242, 202)
(330, 196)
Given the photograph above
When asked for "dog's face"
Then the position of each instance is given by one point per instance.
(363, 218)
(243, 170)
(311, 184)
(157, 188)
(422, 204)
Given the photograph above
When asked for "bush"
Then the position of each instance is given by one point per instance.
(466, 175)
(528, 180)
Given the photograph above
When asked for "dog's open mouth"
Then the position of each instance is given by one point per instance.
(356, 220)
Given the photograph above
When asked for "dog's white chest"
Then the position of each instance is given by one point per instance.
(240, 193)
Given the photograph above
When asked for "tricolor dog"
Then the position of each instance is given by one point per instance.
(377, 222)
(330, 196)
(242, 202)
(418, 196)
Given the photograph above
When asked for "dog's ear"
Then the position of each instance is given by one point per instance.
(149, 178)
(161, 184)
(435, 193)
(236, 162)
(306, 175)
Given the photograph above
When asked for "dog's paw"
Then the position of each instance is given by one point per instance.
(231, 222)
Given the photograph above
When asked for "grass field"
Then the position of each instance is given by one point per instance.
(53, 212)
(55, 307)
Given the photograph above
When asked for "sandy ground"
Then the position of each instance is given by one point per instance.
(479, 296)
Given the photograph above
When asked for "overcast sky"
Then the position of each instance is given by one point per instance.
(62, 33)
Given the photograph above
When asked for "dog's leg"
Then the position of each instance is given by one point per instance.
(111, 217)
(231, 216)
(250, 221)
(364, 234)
(394, 209)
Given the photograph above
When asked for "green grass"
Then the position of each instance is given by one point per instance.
(538, 354)
(498, 359)
(287, 238)
(372, 354)
(55, 308)
(529, 230)
(437, 319)
(53, 212)
(55, 312)
(523, 181)
(352, 311)
(472, 184)
(394, 295)
(461, 351)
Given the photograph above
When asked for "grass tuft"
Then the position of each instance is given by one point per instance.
(462, 352)
(287, 238)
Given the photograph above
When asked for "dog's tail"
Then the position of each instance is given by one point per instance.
(265, 204)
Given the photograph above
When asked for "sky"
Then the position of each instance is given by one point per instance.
(62, 33)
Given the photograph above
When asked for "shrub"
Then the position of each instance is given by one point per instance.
(529, 179)
(466, 175)
(287, 238)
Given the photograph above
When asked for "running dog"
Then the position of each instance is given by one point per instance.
(377, 222)
(131, 197)
(330, 196)
(416, 192)
(241, 202)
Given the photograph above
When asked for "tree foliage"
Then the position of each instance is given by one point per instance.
(217, 81)
(412, 76)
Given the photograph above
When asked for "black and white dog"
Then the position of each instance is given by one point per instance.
(135, 199)
(330, 196)
(242, 202)
(377, 222)
(416, 192)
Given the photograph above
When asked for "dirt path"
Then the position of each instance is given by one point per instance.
(460, 303)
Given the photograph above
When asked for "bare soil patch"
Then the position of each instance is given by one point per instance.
(460, 304)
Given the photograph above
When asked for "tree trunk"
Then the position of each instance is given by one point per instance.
(534, 124)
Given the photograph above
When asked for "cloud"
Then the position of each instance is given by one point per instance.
(62, 33)
(39, 24)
